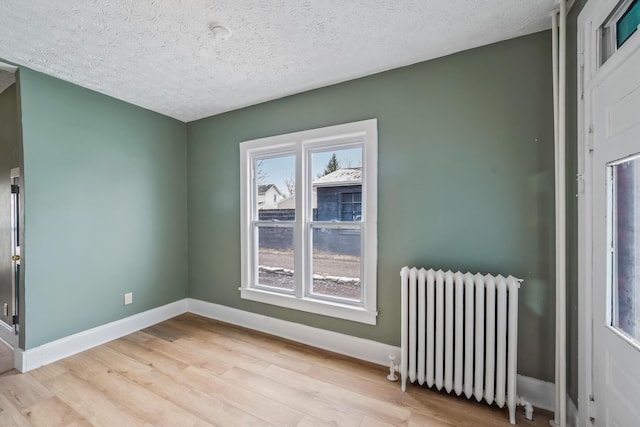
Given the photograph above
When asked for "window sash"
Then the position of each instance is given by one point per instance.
(610, 41)
(333, 225)
(256, 257)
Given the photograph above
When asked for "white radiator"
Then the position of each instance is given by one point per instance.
(460, 333)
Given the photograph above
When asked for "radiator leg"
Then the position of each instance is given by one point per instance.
(512, 415)
(393, 367)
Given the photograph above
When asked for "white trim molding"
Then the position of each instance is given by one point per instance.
(27, 360)
(348, 345)
(541, 394)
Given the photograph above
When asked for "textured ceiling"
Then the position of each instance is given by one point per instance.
(160, 54)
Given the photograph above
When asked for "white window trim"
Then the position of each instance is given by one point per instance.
(364, 133)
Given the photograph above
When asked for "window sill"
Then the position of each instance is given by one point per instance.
(326, 308)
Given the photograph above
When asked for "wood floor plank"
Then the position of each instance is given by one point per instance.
(23, 391)
(309, 421)
(245, 399)
(195, 372)
(219, 352)
(53, 412)
(368, 421)
(382, 410)
(147, 356)
(10, 415)
(175, 351)
(90, 403)
(238, 341)
(318, 408)
(164, 331)
(142, 403)
(205, 406)
(49, 371)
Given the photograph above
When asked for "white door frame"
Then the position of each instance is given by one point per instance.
(594, 13)
(7, 332)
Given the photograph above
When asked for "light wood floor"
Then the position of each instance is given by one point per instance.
(192, 371)
(6, 358)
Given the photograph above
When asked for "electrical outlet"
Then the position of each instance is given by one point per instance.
(128, 298)
(5, 309)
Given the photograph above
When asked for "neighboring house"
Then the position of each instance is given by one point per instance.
(290, 202)
(339, 198)
(339, 195)
(269, 196)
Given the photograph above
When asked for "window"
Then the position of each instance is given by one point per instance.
(628, 23)
(316, 250)
(351, 206)
(618, 28)
(624, 236)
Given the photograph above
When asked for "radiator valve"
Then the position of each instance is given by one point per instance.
(393, 368)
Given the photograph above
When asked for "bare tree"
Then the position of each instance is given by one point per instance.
(261, 175)
(290, 183)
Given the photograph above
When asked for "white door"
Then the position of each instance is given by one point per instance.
(615, 108)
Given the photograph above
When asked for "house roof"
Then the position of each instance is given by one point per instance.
(263, 188)
(344, 176)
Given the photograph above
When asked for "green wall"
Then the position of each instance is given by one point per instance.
(9, 159)
(465, 181)
(105, 206)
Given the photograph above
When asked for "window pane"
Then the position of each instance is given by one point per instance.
(275, 182)
(628, 23)
(336, 263)
(625, 232)
(275, 257)
(337, 185)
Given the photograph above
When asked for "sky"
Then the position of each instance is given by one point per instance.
(277, 170)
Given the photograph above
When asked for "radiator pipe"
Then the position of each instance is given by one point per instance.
(528, 408)
(393, 368)
(559, 20)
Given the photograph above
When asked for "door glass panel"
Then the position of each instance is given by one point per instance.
(336, 263)
(275, 257)
(624, 225)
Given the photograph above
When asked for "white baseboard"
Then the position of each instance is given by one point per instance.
(541, 394)
(359, 348)
(26, 360)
